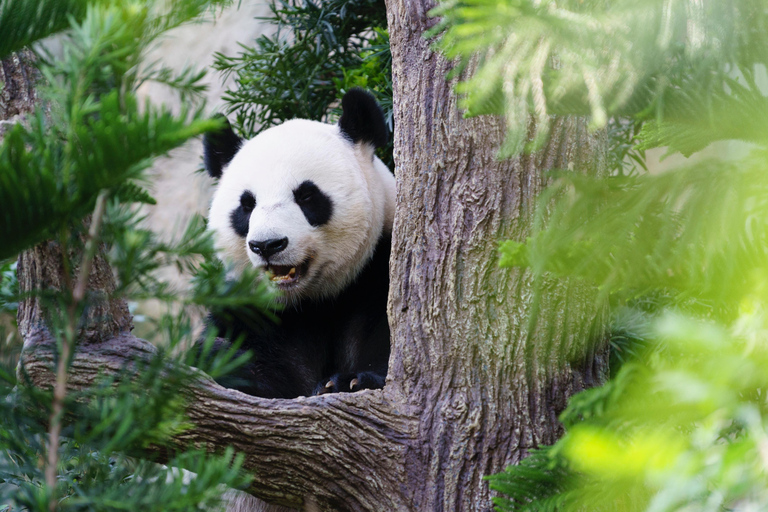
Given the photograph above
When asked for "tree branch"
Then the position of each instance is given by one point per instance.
(341, 452)
(345, 451)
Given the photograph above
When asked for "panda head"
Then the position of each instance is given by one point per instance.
(305, 201)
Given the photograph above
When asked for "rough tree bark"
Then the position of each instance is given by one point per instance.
(17, 89)
(17, 75)
(17, 100)
(484, 390)
(469, 389)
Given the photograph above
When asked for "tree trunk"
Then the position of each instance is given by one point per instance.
(17, 100)
(485, 390)
(470, 389)
(17, 94)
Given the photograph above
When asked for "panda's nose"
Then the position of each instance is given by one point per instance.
(266, 248)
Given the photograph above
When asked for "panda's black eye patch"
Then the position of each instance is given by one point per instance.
(305, 194)
(240, 216)
(247, 201)
(316, 206)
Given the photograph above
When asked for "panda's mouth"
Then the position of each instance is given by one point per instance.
(287, 275)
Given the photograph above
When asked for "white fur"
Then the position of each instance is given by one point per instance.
(271, 166)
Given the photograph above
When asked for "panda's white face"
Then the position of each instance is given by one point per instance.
(305, 204)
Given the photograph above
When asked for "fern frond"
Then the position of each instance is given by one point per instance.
(537, 483)
(187, 82)
(90, 136)
(95, 135)
(300, 70)
(590, 405)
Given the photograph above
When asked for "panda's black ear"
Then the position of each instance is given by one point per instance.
(220, 147)
(362, 119)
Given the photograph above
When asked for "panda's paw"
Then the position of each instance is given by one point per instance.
(349, 383)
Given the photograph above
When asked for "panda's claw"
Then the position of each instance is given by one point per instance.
(350, 382)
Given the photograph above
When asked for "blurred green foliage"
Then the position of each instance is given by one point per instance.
(90, 142)
(318, 51)
(682, 256)
(700, 230)
(662, 60)
(681, 427)
(27, 21)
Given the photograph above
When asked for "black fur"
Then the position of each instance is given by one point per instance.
(315, 205)
(241, 216)
(350, 382)
(316, 342)
(362, 119)
(220, 147)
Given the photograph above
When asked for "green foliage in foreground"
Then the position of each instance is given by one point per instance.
(109, 422)
(701, 230)
(682, 427)
(26, 21)
(319, 51)
(693, 419)
(683, 424)
(85, 151)
(664, 60)
(96, 135)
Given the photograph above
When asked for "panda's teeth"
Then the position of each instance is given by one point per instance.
(279, 277)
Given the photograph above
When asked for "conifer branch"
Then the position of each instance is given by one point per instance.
(67, 342)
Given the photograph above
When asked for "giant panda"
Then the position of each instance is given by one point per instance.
(311, 205)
